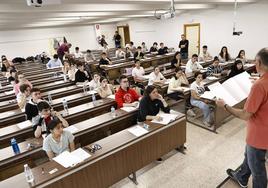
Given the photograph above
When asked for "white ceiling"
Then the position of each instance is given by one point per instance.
(15, 14)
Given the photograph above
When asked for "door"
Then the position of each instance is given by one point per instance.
(124, 32)
(192, 33)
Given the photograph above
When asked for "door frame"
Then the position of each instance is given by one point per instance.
(193, 25)
(125, 27)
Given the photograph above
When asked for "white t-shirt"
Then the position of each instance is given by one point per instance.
(173, 83)
(191, 67)
(155, 78)
(78, 55)
(138, 72)
(94, 84)
(199, 89)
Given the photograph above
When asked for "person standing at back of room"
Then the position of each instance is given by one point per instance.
(184, 45)
(255, 113)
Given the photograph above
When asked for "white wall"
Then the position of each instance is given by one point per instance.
(34, 41)
(216, 29)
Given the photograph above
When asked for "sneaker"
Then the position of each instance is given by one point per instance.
(231, 173)
(191, 113)
(207, 124)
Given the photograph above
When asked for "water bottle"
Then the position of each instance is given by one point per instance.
(113, 114)
(93, 99)
(65, 106)
(1, 85)
(49, 98)
(64, 78)
(28, 174)
(15, 146)
(85, 88)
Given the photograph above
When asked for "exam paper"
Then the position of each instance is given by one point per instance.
(71, 129)
(137, 130)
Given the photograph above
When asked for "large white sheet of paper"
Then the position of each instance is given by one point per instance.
(71, 129)
(219, 91)
(244, 82)
(137, 130)
(208, 95)
(24, 125)
(128, 108)
(166, 118)
(69, 159)
(235, 90)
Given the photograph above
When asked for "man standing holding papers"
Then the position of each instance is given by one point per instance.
(255, 113)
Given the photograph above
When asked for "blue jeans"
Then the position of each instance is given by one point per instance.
(204, 107)
(253, 164)
(184, 55)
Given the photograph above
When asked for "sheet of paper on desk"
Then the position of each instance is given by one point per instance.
(146, 76)
(203, 70)
(185, 89)
(166, 118)
(71, 129)
(183, 66)
(137, 130)
(249, 65)
(208, 95)
(24, 125)
(9, 92)
(128, 108)
(212, 78)
(111, 97)
(91, 92)
(201, 62)
(81, 154)
(167, 81)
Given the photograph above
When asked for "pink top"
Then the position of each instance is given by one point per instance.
(17, 87)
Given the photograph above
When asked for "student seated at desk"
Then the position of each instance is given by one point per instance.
(55, 62)
(105, 48)
(19, 81)
(81, 75)
(156, 76)
(104, 60)
(236, 69)
(119, 53)
(131, 46)
(242, 56)
(95, 82)
(23, 96)
(89, 56)
(205, 55)
(129, 53)
(138, 71)
(174, 86)
(176, 61)
(12, 77)
(154, 49)
(77, 53)
(224, 56)
(215, 69)
(138, 55)
(58, 140)
(31, 109)
(163, 49)
(46, 114)
(150, 105)
(197, 89)
(193, 65)
(144, 48)
(105, 89)
(126, 96)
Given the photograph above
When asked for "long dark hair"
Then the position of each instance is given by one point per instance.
(148, 90)
(227, 57)
(174, 57)
(234, 67)
(177, 70)
(239, 54)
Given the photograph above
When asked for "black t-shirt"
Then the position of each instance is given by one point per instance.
(117, 38)
(31, 110)
(174, 62)
(153, 49)
(162, 51)
(80, 76)
(11, 79)
(4, 68)
(184, 42)
(103, 62)
(151, 108)
(137, 53)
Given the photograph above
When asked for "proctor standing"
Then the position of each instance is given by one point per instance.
(117, 39)
(255, 113)
(184, 45)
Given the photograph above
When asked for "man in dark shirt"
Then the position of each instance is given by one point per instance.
(184, 45)
(31, 109)
(103, 62)
(117, 39)
(162, 50)
(12, 75)
(138, 54)
(81, 75)
(64, 49)
(153, 49)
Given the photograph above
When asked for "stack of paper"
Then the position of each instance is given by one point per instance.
(233, 90)
(69, 159)
(137, 131)
(166, 118)
(71, 129)
(128, 108)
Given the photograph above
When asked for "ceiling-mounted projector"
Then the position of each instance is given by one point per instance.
(165, 14)
(34, 3)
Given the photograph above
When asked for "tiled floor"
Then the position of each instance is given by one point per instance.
(207, 157)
